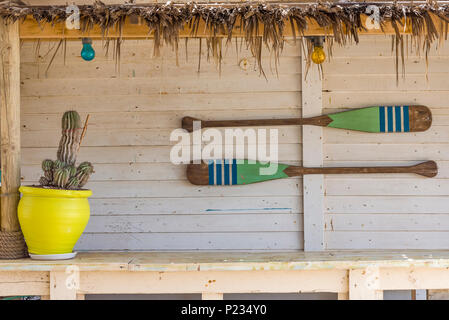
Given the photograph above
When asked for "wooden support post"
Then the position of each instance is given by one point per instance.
(312, 156)
(211, 296)
(364, 284)
(10, 133)
(419, 294)
(63, 285)
(343, 296)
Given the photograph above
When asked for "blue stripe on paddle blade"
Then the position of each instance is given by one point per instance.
(397, 110)
(226, 172)
(390, 119)
(406, 119)
(234, 171)
(219, 172)
(211, 172)
(382, 118)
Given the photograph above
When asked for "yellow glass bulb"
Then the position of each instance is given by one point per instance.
(318, 55)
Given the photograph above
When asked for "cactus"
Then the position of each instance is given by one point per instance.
(58, 165)
(83, 173)
(71, 137)
(43, 181)
(72, 183)
(61, 177)
(47, 167)
(72, 171)
(62, 173)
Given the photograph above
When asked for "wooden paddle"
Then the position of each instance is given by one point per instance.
(370, 119)
(235, 172)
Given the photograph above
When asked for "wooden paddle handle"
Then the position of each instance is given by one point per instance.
(427, 169)
(187, 122)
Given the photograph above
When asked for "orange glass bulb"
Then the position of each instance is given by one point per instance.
(318, 55)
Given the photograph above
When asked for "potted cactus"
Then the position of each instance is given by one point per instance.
(54, 214)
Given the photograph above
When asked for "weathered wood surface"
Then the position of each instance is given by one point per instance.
(125, 151)
(10, 125)
(312, 150)
(237, 261)
(383, 212)
(131, 120)
(351, 274)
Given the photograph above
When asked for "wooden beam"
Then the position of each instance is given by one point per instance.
(63, 284)
(30, 30)
(211, 296)
(17, 283)
(343, 296)
(10, 125)
(312, 156)
(364, 284)
(212, 284)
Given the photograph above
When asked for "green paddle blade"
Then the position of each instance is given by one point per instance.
(383, 119)
(235, 172)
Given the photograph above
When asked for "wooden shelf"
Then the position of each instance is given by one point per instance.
(351, 274)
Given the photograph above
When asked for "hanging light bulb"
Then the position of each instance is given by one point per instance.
(87, 53)
(318, 55)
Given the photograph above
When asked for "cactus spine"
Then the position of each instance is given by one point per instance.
(71, 136)
(62, 173)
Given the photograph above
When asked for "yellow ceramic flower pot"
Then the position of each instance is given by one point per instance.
(53, 220)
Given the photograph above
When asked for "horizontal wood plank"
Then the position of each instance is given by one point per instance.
(387, 204)
(160, 68)
(384, 82)
(213, 205)
(370, 152)
(191, 241)
(195, 223)
(387, 187)
(179, 85)
(145, 120)
(387, 222)
(161, 101)
(384, 65)
(139, 154)
(387, 240)
(137, 137)
(170, 189)
(435, 135)
(357, 99)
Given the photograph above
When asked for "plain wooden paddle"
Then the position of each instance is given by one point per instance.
(234, 172)
(370, 119)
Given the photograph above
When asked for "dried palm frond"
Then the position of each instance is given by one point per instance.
(260, 24)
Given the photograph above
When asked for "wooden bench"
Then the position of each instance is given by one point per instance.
(351, 274)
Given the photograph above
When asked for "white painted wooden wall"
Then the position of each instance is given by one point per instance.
(140, 200)
(386, 211)
(143, 202)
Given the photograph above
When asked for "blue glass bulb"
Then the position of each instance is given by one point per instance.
(87, 53)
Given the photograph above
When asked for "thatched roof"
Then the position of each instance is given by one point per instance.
(343, 20)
